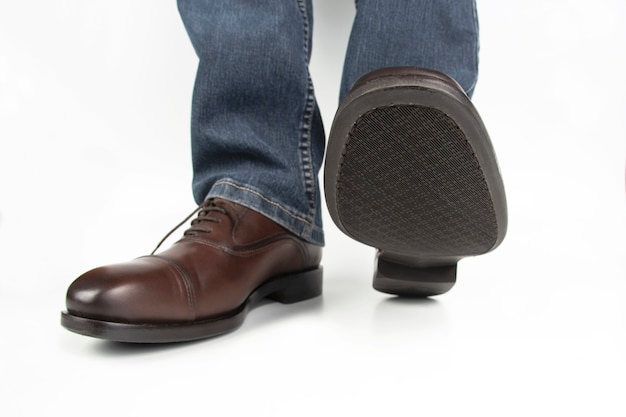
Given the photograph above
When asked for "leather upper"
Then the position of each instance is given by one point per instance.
(227, 253)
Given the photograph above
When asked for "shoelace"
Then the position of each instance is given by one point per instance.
(203, 211)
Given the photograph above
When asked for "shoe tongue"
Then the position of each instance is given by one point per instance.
(233, 209)
(247, 225)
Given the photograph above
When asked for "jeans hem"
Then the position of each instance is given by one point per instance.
(255, 200)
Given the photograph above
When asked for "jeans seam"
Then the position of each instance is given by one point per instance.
(306, 157)
(267, 200)
(476, 45)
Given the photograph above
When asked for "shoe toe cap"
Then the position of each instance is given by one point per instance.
(134, 292)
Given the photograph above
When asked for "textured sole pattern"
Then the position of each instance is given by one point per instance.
(436, 200)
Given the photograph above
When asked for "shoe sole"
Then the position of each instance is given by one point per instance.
(410, 170)
(285, 289)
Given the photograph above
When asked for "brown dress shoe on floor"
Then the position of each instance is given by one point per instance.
(230, 258)
(410, 170)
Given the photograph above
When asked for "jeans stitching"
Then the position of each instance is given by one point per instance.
(306, 157)
(267, 200)
(476, 46)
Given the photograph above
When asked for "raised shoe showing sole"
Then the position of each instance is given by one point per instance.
(411, 171)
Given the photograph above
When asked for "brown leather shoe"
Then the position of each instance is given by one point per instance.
(410, 170)
(230, 258)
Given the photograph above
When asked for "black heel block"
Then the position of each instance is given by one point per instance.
(412, 281)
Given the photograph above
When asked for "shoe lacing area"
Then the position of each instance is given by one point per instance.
(205, 213)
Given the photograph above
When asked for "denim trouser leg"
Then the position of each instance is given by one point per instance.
(257, 135)
(436, 34)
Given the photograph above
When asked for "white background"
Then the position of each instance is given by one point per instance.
(95, 167)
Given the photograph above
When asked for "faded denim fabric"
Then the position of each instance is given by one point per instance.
(256, 132)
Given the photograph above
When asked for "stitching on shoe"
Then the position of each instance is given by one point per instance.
(242, 251)
(186, 280)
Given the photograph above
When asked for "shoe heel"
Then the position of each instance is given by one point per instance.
(299, 287)
(412, 281)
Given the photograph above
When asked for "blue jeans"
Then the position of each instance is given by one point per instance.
(256, 131)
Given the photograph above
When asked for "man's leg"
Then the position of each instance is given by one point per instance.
(410, 169)
(257, 136)
(441, 35)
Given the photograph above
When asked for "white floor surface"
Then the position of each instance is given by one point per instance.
(95, 168)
